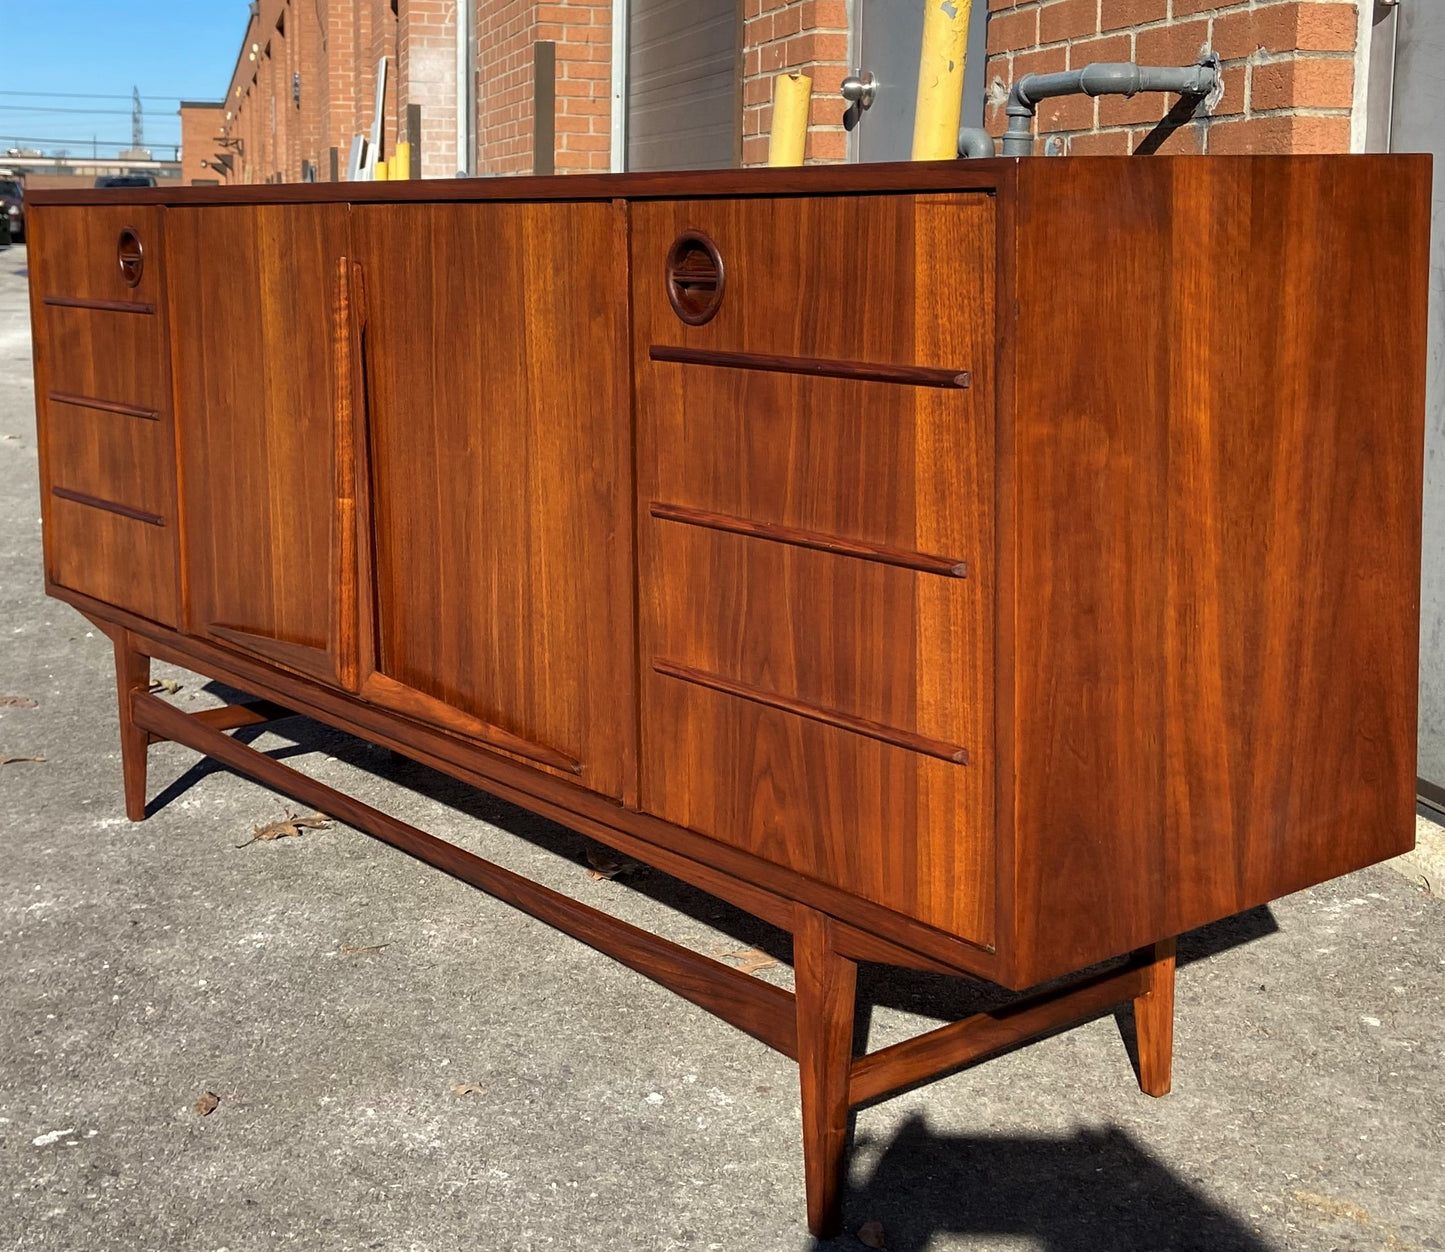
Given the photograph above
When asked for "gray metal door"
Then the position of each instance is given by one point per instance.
(888, 42)
(1418, 125)
(683, 105)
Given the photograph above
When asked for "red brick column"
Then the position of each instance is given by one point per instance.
(1288, 70)
(582, 30)
(200, 140)
(806, 35)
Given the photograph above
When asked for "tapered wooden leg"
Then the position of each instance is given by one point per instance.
(1154, 1022)
(132, 673)
(825, 986)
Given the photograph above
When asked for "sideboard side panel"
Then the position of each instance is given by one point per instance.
(1218, 486)
(1296, 464)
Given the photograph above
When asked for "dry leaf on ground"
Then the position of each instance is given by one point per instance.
(207, 1104)
(169, 685)
(749, 960)
(16, 760)
(289, 827)
(16, 702)
(870, 1235)
(347, 949)
(468, 1088)
(606, 863)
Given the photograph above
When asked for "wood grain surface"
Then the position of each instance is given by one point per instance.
(797, 696)
(1218, 476)
(252, 299)
(863, 930)
(500, 474)
(826, 985)
(1178, 678)
(103, 401)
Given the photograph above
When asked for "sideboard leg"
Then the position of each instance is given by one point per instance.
(132, 673)
(1154, 1022)
(825, 988)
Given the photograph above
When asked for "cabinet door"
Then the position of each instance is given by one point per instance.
(500, 478)
(261, 351)
(814, 382)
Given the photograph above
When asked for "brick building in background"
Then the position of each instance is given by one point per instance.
(201, 122)
(687, 83)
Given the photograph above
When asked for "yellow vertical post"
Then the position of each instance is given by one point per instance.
(381, 175)
(792, 98)
(940, 79)
(400, 164)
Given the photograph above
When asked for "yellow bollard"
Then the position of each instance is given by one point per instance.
(400, 163)
(940, 79)
(381, 174)
(792, 98)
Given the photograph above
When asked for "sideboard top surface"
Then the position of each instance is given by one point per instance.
(903, 176)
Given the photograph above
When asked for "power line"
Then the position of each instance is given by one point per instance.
(46, 108)
(77, 140)
(84, 95)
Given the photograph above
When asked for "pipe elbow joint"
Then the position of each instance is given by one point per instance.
(973, 141)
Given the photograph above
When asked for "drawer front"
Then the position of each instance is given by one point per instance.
(106, 254)
(816, 542)
(843, 279)
(117, 358)
(112, 455)
(116, 557)
(107, 444)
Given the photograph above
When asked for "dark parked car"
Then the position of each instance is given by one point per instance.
(12, 207)
(126, 180)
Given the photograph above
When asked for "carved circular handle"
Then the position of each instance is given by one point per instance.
(131, 254)
(695, 277)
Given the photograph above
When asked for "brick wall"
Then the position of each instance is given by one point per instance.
(1288, 70)
(810, 36)
(582, 30)
(506, 33)
(1288, 76)
(334, 46)
(200, 131)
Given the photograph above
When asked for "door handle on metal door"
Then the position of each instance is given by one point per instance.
(859, 90)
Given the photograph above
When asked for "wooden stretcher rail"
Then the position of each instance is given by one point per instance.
(233, 717)
(925, 1057)
(759, 1008)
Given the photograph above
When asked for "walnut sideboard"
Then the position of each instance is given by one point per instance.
(993, 567)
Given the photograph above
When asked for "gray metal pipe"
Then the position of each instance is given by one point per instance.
(974, 141)
(1103, 78)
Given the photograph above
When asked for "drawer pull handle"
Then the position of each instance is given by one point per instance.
(131, 255)
(695, 277)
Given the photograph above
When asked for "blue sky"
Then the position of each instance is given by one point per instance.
(174, 49)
